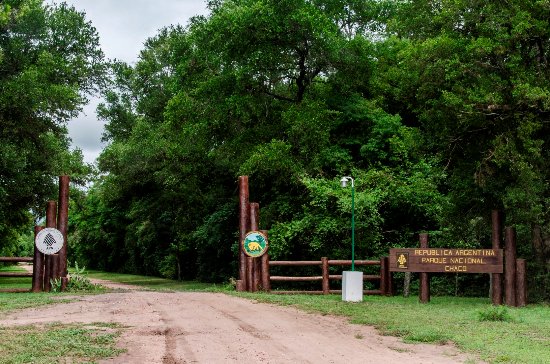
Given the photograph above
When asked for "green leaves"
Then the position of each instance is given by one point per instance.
(437, 109)
(49, 61)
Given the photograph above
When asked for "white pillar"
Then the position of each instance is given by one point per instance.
(352, 286)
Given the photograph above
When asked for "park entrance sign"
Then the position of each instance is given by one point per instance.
(49, 241)
(446, 260)
(254, 244)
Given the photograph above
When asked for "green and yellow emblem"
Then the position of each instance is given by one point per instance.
(254, 244)
(403, 260)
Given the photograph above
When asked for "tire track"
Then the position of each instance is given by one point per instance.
(175, 338)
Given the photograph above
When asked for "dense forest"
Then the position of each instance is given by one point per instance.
(440, 110)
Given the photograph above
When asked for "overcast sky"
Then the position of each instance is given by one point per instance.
(123, 27)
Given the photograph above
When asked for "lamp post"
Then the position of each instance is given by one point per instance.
(344, 182)
(352, 281)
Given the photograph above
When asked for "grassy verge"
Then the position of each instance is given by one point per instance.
(58, 343)
(52, 343)
(497, 335)
(149, 282)
(14, 282)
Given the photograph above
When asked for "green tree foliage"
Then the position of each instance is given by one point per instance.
(49, 60)
(437, 108)
(266, 88)
(475, 78)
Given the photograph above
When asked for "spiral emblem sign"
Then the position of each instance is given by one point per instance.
(49, 241)
(255, 244)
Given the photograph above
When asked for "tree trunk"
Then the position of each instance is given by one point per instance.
(407, 284)
(538, 245)
(179, 268)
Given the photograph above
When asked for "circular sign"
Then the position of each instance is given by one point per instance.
(254, 244)
(49, 241)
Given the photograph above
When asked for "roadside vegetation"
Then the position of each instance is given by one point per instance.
(58, 343)
(513, 335)
(150, 282)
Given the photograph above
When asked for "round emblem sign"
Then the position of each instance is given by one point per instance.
(254, 244)
(49, 241)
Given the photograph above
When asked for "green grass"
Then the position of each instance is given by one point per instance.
(149, 282)
(58, 343)
(14, 282)
(16, 301)
(53, 343)
(523, 338)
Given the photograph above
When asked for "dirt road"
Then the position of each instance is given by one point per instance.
(165, 327)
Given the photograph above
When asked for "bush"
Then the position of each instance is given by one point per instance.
(78, 282)
(495, 313)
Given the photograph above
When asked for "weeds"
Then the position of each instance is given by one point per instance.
(495, 313)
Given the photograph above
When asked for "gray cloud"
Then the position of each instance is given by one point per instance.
(123, 27)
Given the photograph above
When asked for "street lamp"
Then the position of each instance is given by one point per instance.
(352, 281)
(344, 182)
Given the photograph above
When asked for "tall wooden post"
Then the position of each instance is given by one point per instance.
(325, 274)
(256, 262)
(389, 281)
(63, 227)
(266, 279)
(37, 265)
(243, 229)
(51, 210)
(424, 294)
(521, 283)
(250, 274)
(510, 267)
(383, 285)
(388, 277)
(496, 238)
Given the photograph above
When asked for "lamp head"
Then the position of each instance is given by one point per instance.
(344, 181)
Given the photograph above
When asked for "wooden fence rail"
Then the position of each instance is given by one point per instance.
(15, 274)
(384, 277)
(16, 259)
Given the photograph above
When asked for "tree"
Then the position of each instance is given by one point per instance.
(276, 90)
(49, 61)
(474, 76)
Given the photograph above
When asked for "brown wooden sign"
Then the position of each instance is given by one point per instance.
(446, 260)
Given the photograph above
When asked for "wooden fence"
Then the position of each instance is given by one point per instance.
(16, 274)
(384, 278)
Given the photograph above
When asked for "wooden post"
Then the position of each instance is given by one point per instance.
(424, 294)
(51, 210)
(63, 227)
(256, 262)
(326, 273)
(250, 274)
(383, 284)
(54, 273)
(496, 238)
(47, 272)
(510, 267)
(243, 229)
(521, 283)
(389, 277)
(407, 284)
(37, 265)
(266, 280)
